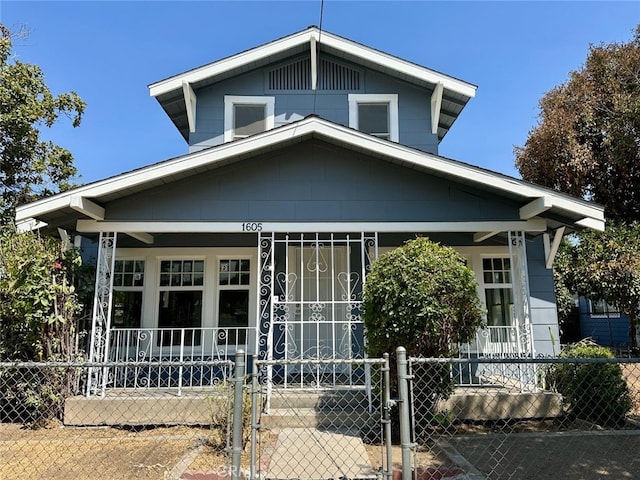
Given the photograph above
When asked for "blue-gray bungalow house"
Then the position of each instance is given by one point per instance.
(308, 157)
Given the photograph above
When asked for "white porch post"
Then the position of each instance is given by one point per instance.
(521, 294)
(101, 317)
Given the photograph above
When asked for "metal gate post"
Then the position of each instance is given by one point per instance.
(236, 445)
(255, 396)
(405, 431)
(388, 472)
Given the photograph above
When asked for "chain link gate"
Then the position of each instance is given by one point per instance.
(316, 431)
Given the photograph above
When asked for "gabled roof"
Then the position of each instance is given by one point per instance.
(170, 92)
(535, 200)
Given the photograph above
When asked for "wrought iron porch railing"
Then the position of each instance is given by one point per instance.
(173, 344)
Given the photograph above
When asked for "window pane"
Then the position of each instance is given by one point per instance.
(186, 266)
(249, 119)
(138, 279)
(198, 266)
(244, 265)
(139, 266)
(499, 306)
(180, 309)
(224, 278)
(198, 279)
(233, 313)
(165, 266)
(176, 266)
(128, 266)
(128, 279)
(164, 279)
(373, 118)
(244, 279)
(127, 309)
(117, 280)
(224, 265)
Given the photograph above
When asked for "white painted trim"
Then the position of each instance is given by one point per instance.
(482, 236)
(86, 207)
(391, 99)
(436, 104)
(593, 223)
(319, 128)
(92, 226)
(190, 102)
(143, 237)
(553, 250)
(314, 62)
(536, 207)
(231, 101)
(29, 224)
(329, 40)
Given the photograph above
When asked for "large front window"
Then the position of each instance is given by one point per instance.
(180, 303)
(498, 291)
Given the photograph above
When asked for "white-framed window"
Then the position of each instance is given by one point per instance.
(247, 115)
(181, 296)
(375, 114)
(602, 309)
(498, 291)
(234, 292)
(128, 286)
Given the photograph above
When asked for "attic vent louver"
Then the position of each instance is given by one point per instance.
(297, 76)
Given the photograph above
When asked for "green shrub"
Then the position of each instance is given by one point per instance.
(421, 296)
(592, 391)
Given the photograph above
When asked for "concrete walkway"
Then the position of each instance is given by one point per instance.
(308, 453)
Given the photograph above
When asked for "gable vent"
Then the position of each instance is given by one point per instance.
(297, 76)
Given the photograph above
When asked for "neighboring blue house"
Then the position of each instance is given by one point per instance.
(604, 324)
(308, 157)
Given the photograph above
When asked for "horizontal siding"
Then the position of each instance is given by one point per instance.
(312, 181)
(414, 107)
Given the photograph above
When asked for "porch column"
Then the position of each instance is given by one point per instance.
(521, 294)
(264, 333)
(101, 317)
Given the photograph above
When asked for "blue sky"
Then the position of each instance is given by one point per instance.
(109, 52)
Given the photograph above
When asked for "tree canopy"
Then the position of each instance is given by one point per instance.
(587, 140)
(606, 266)
(30, 167)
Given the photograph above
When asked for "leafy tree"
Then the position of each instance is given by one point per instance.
(29, 166)
(606, 265)
(586, 141)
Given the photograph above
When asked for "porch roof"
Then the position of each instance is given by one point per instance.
(89, 201)
(177, 93)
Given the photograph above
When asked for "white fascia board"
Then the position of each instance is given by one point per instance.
(93, 226)
(593, 223)
(405, 156)
(436, 104)
(29, 224)
(86, 207)
(273, 48)
(230, 63)
(536, 207)
(190, 102)
(394, 63)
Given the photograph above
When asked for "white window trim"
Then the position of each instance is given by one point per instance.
(231, 100)
(609, 314)
(391, 98)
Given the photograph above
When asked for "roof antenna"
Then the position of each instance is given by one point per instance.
(315, 92)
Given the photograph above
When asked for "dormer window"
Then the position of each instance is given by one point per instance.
(246, 116)
(375, 114)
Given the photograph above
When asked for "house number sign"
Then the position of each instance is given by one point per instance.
(252, 227)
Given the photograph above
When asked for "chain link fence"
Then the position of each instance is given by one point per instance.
(580, 419)
(51, 429)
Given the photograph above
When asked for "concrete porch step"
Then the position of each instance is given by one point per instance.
(312, 418)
